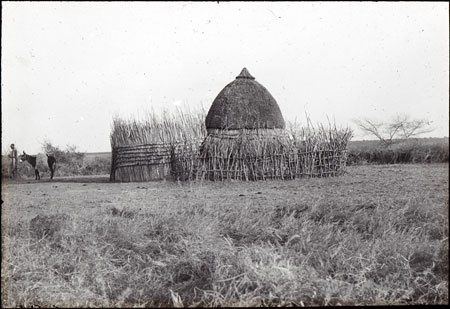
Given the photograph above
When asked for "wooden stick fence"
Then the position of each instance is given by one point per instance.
(326, 163)
(180, 147)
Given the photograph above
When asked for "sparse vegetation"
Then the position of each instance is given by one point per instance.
(378, 235)
(413, 150)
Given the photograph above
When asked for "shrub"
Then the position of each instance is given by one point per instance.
(424, 150)
(98, 166)
(68, 162)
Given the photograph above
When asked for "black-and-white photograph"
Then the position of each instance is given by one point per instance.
(224, 154)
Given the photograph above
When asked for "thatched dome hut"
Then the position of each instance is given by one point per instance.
(245, 130)
(244, 104)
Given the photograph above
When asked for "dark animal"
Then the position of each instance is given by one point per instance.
(51, 161)
(51, 164)
(32, 161)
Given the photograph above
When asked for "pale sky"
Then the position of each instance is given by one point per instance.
(68, 68)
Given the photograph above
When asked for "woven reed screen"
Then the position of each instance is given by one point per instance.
(147, 161)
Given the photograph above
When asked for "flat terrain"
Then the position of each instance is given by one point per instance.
(378, 235)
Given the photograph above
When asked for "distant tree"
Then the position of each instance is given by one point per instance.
(400, 127)
(50, 149)
(71, 158)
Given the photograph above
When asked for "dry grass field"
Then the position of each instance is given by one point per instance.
(378, 235)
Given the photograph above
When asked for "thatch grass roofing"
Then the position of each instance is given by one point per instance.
(244, 104)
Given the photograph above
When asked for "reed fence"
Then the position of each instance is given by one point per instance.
(186, 162)
(179, 147)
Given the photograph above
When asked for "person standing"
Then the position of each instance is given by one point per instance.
(13, 166)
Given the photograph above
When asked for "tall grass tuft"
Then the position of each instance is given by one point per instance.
(169, 128)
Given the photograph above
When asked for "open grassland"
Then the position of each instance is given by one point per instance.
(378, 235)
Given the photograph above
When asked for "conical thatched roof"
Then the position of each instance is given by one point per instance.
(244, 104)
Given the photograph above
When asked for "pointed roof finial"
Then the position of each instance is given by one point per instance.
(245, 74)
